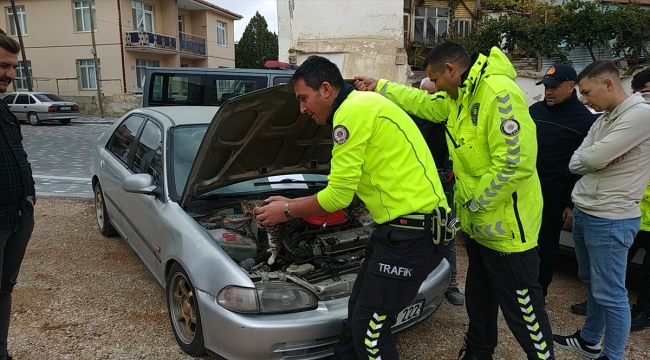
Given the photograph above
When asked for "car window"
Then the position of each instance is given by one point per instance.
(22, 99)
(176, 89)
(9, 99)
(123, 137)
(281, 80)
(32, 100)
(224, 88)
(48, 97)
(148, 152)
(185, 144)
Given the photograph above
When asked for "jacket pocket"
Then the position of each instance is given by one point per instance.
(474, 156)
(490, 224)
(586, 192)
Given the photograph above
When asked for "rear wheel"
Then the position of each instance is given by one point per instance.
(103, 222)
(65, 121)
(184, 311)
(33, 119)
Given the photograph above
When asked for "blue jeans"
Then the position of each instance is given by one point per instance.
(601, 248)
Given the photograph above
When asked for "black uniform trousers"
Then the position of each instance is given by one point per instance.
(13, 243)
(549, 238)
(396, 263)
(642, 240)
(509, 281)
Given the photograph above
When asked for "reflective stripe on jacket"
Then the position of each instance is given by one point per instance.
(494, 158)
(380, 154)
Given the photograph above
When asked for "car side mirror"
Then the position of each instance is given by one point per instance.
(139, 184)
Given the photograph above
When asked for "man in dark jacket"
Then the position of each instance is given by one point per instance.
(562, 123)
(17, 194)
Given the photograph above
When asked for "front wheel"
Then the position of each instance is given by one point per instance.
(184, 311)
(33, 119)
(103, 222)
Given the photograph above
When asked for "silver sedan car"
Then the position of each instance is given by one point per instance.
(36, 107)
(170, 181)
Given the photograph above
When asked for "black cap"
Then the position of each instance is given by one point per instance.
(558, 74)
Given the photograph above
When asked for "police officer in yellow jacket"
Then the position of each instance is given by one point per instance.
(379, 155)
(492, 142)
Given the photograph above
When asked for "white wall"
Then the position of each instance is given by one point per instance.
(363, 37)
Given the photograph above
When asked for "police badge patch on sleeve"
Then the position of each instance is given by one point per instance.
(474, 113)
(340, 134)
(510, 127)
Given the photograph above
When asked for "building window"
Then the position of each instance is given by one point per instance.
(181, 23)
(142, 16)
(221, 33)
(21, 76)
(86, 70)
(463, 27)
(141, 66)
(82, 15)
(22, 20)
(406, 29)
(430, 23)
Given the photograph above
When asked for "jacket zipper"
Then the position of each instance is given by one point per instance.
(519, 224)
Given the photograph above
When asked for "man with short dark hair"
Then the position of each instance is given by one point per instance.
(614, 161)
(380, 156)
(17, 193)
(562, 123)
(498, 197)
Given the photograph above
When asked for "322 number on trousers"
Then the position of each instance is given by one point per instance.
(409, 313)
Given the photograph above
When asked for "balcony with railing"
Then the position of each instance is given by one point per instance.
(192, 46)
(150, 42)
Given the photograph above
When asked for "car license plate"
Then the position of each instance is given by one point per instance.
(409, 313)
(66, 108)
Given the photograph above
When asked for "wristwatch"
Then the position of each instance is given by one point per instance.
(287, 212)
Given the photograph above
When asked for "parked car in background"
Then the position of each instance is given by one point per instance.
(36, 107)
(170, 181)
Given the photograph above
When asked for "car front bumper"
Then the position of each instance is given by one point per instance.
(297, 336)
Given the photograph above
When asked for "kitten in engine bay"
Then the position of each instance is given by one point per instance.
(277, 234)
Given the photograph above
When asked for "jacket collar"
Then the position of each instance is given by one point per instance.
(566, 104)
(343, 94)
(472, 76)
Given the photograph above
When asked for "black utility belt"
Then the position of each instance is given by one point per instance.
(443, 228)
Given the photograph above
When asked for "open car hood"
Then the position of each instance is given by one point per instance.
(255, 135)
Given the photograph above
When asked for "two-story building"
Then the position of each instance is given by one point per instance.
(130, 36)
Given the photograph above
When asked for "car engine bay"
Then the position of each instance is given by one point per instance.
(323, 253)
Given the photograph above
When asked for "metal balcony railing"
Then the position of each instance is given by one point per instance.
(190, 43)
(150, 39)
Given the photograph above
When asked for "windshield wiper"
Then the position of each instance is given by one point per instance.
(291, 181)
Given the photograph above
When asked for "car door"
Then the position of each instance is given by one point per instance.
(113, 167)
(20, 106)
(141, 212)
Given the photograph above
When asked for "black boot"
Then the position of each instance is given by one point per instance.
(469, 352)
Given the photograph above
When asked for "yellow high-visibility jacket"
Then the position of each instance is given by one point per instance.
(379, 154)
(645, 210)
(493, 144)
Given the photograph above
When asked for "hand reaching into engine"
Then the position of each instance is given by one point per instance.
(365, 83)
(273, 212)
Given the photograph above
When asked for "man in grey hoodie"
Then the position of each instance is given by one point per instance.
(614, 161)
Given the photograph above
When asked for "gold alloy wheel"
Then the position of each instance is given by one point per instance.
(182, 306)
(99, 208)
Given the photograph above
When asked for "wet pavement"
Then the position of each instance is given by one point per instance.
(60, 155)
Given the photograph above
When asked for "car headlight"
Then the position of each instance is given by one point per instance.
(267, 298)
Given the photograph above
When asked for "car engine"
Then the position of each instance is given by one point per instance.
(323, 253)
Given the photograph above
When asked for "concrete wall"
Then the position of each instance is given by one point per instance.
(114, 106)
(363, 37)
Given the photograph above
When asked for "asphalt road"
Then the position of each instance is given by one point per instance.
(60, 155)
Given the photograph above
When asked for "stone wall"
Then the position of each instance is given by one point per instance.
(114, 106)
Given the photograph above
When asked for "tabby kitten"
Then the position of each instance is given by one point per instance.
(277, 234)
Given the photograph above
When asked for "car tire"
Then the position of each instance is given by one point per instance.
(33, 119)
(103, 221)
(65, 121)
(184, 312)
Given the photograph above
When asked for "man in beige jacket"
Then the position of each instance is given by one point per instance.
(614, 161)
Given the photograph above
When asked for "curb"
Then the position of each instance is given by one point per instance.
(67, 196)
(92, 122)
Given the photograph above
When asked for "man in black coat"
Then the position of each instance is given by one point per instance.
(17, 193)
(562, 123)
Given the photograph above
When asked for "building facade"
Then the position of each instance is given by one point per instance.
(130, 36)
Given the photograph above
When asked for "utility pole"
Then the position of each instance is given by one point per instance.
(94, 51)
(22, 47)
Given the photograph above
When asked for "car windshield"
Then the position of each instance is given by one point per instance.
(48, 97)
(184, 146)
